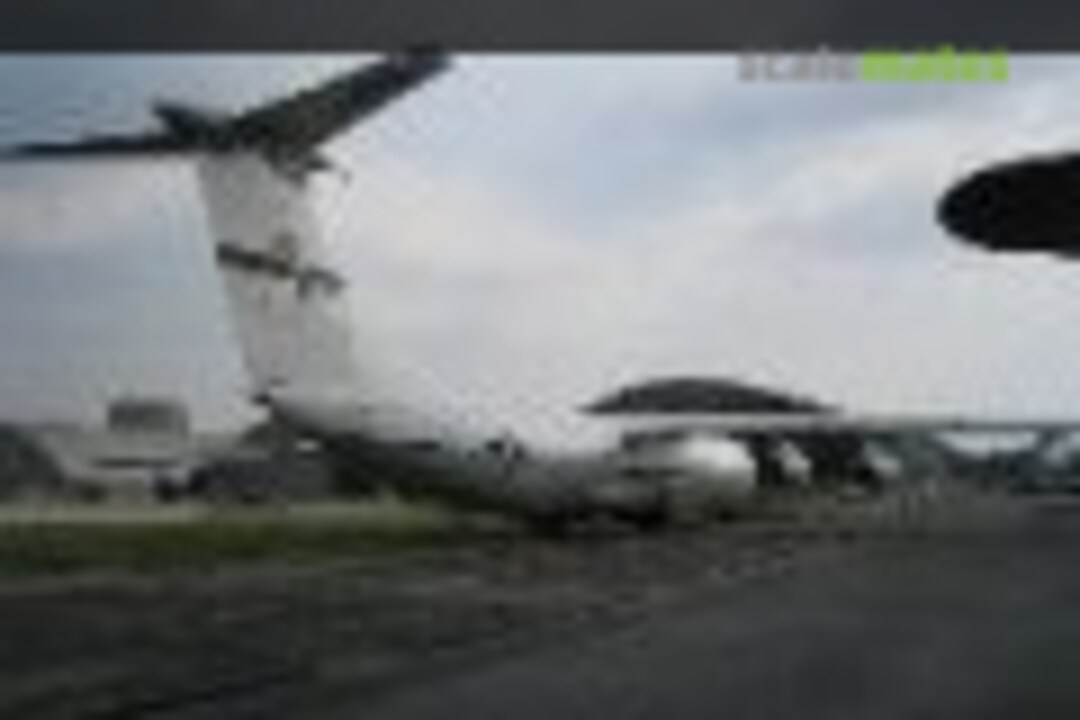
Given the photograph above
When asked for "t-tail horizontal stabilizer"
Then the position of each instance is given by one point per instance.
(287, 131)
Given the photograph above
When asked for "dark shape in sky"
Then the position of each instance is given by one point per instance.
(1026, 205)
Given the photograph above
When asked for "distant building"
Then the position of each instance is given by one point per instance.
(148, 415)
(145, 450)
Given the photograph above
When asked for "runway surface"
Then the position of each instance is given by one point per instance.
(972, 616)
(978, 624)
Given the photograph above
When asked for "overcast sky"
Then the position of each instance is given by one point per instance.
(529, 232)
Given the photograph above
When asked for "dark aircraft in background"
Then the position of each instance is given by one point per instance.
(1030, 204)
(780, 459)
(801, 456)
(286, 303)
(1024, 205)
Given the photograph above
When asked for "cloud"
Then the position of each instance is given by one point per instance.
(502, 302)
(51, 207)
(534, 232)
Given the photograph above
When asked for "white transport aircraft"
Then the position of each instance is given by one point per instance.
(254, 168)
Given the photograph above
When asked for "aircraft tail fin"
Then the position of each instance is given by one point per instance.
(288, 306)
(254, 168)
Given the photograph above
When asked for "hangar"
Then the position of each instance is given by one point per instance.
(144, 449)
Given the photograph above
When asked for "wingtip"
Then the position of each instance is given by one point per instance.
(429, 57)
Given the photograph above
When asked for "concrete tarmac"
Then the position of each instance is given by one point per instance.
(953, 611)
(981, 623)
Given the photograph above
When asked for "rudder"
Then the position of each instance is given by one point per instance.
(288, 307)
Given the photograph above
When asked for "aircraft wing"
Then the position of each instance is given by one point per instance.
(838, 424)
(100, 146)
(296, 124)
(309, 118)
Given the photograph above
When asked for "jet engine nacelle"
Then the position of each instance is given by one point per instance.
(696, 475)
